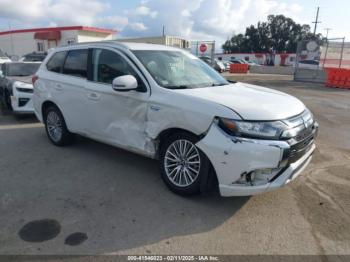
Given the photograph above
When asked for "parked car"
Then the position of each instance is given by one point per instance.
(236, 61)
(165, 103)
(16, 88)
(309, 64)
(218, 65)
(33, 57)
(4, 58)
(250, 63)
(227, 65)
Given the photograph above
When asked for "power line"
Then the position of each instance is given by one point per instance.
(316, 21)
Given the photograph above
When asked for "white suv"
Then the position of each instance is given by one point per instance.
(165, 103)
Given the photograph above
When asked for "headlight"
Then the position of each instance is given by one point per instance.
(23, 87)
(252, 129)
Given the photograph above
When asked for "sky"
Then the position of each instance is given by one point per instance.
(192, 19)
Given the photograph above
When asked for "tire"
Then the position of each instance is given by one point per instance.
(56, 128)
(7, 101)
(182, 173)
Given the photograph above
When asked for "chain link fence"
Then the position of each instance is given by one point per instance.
(313, 56)
(335, 53)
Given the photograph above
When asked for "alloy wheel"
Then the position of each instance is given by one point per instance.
(182, 163)
(54, 126)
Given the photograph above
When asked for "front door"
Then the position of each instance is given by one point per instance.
(115, 117)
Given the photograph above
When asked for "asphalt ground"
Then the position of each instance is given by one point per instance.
(97, 199)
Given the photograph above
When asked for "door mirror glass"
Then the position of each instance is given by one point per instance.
(124, 83)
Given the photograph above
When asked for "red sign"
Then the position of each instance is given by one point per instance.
(203, 48)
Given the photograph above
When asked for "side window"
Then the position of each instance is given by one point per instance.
(3, 69)
(55, 63)
(76, 63)
(107, 65)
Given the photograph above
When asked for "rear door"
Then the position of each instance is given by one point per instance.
(67, 80)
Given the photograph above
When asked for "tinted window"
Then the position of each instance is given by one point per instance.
(76, 63)
(22, 69)
(55, 63)
(107, 65)
(3, 69)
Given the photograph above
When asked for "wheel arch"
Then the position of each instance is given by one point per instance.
(161, 138)
(208, 182)
(45, 105)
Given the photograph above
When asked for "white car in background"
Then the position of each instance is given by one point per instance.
(4, 59)
(309, 64)
(167, 104)
(16, 88)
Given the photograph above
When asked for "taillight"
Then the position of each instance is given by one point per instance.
(34, 78)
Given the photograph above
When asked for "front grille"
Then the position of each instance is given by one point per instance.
(300, 144)
(22, 101)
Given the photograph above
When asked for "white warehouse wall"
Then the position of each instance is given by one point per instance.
(19, 44)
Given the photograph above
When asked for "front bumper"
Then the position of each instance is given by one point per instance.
(22, 102)
(236, 159)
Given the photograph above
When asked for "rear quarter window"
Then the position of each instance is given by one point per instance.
(55, 63)
(76, 63)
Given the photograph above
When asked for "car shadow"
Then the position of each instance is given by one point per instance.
(140, 210)
(8, 117)
(115, 197)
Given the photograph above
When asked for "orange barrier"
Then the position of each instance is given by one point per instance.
(238, 68)
(338, 77)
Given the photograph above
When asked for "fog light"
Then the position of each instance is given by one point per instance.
(257, 177)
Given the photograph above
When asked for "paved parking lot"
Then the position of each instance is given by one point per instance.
(119, 204)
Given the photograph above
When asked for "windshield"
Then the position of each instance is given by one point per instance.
(25, 69)
(177, 69)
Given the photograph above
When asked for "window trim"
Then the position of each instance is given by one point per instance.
(64, 60)
(141, 89)
(87, 63)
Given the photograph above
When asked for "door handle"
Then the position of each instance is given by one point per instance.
(93, 96)
(58, 87)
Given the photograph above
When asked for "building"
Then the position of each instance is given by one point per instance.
(160, 40)
(20, 42)
(282, 59)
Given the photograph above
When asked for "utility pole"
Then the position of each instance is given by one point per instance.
(316, 21)
(163, 35)
(11, 39)
(327, 29)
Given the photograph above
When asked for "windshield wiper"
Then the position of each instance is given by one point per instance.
(219, 84)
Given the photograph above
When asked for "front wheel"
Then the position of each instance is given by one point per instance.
(182, 164)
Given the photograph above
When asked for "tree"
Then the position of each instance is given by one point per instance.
(278, 33)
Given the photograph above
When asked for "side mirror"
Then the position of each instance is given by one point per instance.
(124, 83)
(1, 74)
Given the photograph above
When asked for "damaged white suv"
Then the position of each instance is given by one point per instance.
(165, 103)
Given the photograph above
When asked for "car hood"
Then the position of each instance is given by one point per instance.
(24, 79)
(251, 102)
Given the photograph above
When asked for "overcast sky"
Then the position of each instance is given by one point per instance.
(192, 19)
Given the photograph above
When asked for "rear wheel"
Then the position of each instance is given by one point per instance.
(182, 164)
(56, 128)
